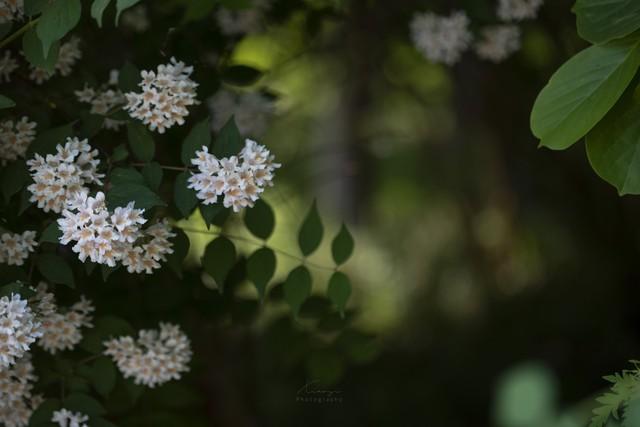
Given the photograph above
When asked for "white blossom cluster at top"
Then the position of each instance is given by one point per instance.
(15, 248)
(166, 94)
(443, 39)
(15, 138)
(157, 356)
(109, 238)
(250, 110)
(66, 418)
(59, 176)
(11, 10)
(239, 179)
(103, 100)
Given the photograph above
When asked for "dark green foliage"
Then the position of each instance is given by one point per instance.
(310, 234)
(260, 219)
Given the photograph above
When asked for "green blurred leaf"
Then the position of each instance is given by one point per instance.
(33, 51)
(55, 269)
(121, 176)
(214, 214)
(200, 136)
(120, 153)
(78, 402)
(105, 328)
(33, 7)
(582, 91)
(241, 75)
(15, 177)
(297, 288)
(6, 102)
(16, 288)
(141, 141)
(128, 78)
(218, 259)
(229, 141)
(261, 266)
(122, 194)
(51, 234)
(342, 246)
(198, 9)
(339, 290)
(122, 5)
(180, 250)
(600, 21)
(184, 197)
(103, 375)
(57, 19)
(260, 220)
(310, 235)
(152, 173)
(97, 9)
(44, 412)
(46, 142)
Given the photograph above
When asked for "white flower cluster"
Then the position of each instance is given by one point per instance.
(15, 138)
(11, 10)
(17, 401)
(68, 55)
(109, 238)
(15, 248)
(63, 330)
(498, 42)
(19, 328)
(251, 111)
(59, 176)
(440, 38)
(103, 100)
(8, 64)
(518, 10)
(157, 356)
(166, 94)
(239, 22)
(240, 179)
(66, 418)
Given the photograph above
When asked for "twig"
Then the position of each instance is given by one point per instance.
(26, 27)
(171, 168)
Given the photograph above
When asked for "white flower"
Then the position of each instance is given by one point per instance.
(8, 65)
(66, 418)
(58, 177)
(68, 55)
(114, 237)
(15, 138)
(19, 328)
(17, 402)
(157, 356)
(440, 38)
(11, 10)
(498, 42)
(518, 10)
(238, 179)
(15, 248)
(103, 100)
(136, 19)
(166, 94)
(251, 111)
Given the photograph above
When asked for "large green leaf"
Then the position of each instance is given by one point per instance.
(297, 288)
(57, 19)
(140, 141)
(6, 102)
(229, 141)
(184, 197)
(200, 136)
(602, 20)
(260, 219)
(339, 290)
(582, 91)
(613, 147)
(342, 246)
(97, 9)
(218, 259)
(311, 232)
(32, 49)
(121, 5)
(55, 269)
(261, 266)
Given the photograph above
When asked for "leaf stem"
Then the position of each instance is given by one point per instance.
(26, 27)
(258, 243)
(171, 168)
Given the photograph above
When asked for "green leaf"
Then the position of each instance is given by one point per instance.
(339, 290)
(582, 91)
(241, 75)
(218, 259)
(57, 19)
(16, 288)
(342, 246)
(105, 328)
(600, 21)
(128, 78)
(46, 142)
(78, 402)
(260, 219)
(121, 5)
(613, 147)
(126, 176)
(90, 125)
(152, 173)
(140, 141)
(55, 269)
(15, 177)
(200, 136)
(122, 194)
(33, 51)
(34, 7)
(311, 232)
(261, 266)
(297, 288)
(181, 246)
(97, 9)
(215, 214)
(120, 153)
(6, 102)
(229, 141)
(184, 198)
(103, 375)
(43, 413)
(198, 9)
(51, 234)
